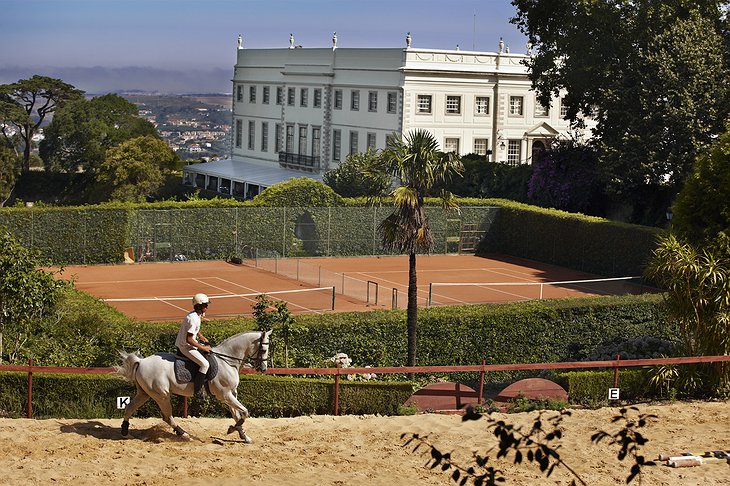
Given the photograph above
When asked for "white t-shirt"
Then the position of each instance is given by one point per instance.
(190, 325)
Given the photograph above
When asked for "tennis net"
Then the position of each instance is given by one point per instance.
(455, 293)
(299, 301)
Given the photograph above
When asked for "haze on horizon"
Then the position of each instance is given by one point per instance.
(190, 45)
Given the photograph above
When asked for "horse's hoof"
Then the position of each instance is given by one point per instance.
(231, 429)
(246, 439)
(125, 428)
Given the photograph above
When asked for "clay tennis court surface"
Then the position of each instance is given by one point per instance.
(163, 291)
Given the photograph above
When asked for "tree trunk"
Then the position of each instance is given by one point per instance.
(412, 310)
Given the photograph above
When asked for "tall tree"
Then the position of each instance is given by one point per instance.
(83, 130)
(653, 73)
(417, 165)
(702, 210)
(135, 169)
(26, 103)
(8, 173)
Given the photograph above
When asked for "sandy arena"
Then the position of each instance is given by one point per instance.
(327, 450)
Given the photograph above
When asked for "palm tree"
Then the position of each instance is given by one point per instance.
(417, 165)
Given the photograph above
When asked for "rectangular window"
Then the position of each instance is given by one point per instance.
(252, 94)
(303, 97)
(481, 105)
(279, 95)
(239, 93)
(277, 137)
(251, 134)
(289, 139)
(212, 183)
(225, 186)
(424, 104)
(513, 152)
(336, 145)
(480, 146)
(392, 102)
(316, 131)
(239, 133)
(354, 100)
(264, 136)
(451, 145)
(238, 188)
(541, 110)
(338, 99)
(515, 105)
(317, 101)
(265, 95)
(453, 105)
(371, 141)
(372, 101)
(291, 93)
(353, 142)
(303, 139)
(563, 109)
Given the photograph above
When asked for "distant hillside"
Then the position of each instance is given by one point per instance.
(126, 79)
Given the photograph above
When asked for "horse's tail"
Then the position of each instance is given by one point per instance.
(128, 368)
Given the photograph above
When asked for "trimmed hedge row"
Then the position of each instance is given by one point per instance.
(584, 243)
(591, 387)
(223, 228)
(94, 396)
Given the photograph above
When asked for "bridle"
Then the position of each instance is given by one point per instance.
(258, 359)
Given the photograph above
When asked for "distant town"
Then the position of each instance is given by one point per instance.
(197, 127)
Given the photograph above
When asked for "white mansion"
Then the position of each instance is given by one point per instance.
(300, 111)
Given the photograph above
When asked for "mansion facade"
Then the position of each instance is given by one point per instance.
(301, 111)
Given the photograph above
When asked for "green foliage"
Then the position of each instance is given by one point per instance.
(590, 388)
(134, 169)
(702, 210)
(275, 315)
(26, 103)
(698, 298)
(27, 294)
(653, 74)
(94, 396)
(9, 171)
(354, 177)
(299, 192)
(82, 131)
(585, 243)
(484, 179)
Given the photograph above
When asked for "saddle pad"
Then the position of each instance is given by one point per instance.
(185, 369)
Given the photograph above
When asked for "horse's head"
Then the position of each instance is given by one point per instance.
(261, 357)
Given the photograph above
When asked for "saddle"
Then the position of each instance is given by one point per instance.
(185, 368)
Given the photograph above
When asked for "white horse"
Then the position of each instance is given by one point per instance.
(154, 377)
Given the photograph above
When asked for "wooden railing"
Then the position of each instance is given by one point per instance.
(482, 369)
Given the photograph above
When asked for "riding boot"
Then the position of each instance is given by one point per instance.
(198, 383)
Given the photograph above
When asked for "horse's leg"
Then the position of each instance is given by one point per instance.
(166, 408)
(239, 412)
(139, 399)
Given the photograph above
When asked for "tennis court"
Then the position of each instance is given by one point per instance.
(162, 291)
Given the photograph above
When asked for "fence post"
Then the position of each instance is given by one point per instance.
(337, 390)
(30, 388)
(615, 371)
(481, 383)
(185, 407)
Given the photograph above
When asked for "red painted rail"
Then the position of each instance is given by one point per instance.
(482, 369)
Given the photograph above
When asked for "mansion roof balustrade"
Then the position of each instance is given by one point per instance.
(299, 161)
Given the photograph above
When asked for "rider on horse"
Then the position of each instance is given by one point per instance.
(189, 341)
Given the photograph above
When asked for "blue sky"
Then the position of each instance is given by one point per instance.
(180, 34)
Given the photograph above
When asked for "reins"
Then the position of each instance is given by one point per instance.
(259, 355)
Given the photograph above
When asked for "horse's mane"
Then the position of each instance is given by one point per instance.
(237, 335)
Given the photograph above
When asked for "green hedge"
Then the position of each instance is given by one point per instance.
(584, 243)
(223, 228)
(591, 387)
(94, 396)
